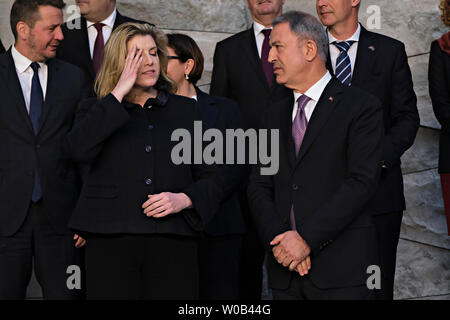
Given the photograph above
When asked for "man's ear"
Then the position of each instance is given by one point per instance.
(355, 3)
(310, 50)
(23, 30)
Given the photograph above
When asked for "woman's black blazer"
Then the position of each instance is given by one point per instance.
(128, 149)
(220, 113)
(439, 86)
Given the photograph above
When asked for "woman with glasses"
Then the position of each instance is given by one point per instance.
(220, 247)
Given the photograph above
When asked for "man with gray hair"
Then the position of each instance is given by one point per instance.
(310, 214)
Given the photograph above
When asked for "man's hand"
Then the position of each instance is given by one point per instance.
(290, 249)
(162, 204)
(304, 266)
(80, 241)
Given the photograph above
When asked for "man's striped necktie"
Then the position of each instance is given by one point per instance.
(343, 64)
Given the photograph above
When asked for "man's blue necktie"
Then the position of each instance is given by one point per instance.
(36, 102)
(343, 64)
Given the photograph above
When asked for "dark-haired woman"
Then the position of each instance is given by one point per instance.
(220, 248)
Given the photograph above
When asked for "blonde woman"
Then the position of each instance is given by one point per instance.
(139, 212)
(439, 85)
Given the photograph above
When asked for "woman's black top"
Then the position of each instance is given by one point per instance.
(128, 149)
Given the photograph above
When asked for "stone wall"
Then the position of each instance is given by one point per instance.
(424, 249)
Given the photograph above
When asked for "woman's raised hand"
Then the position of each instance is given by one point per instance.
(129, 74)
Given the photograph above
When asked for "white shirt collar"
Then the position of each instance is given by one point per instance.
(258, 28)
(354, 37)
(21, 62)
(316, 90)
(107, 22)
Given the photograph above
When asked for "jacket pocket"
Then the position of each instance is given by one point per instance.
(101, 191)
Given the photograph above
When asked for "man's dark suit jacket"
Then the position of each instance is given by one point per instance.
(222, 114)
(75, 46)
(129, 150)
(2, 48)
(238, 75)
(329, 184)
(439, 86)
(381, 68)
(22, 152)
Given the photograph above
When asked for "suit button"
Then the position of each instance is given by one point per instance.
(294, 187)
(148, 181)
(38, 146)
(148, 149)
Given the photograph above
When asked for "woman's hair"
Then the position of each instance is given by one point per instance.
(116, 53)
(186, 48)
(445, 7)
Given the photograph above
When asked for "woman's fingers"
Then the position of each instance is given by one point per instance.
(163, 211)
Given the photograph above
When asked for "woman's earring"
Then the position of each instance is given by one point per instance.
(186, 76)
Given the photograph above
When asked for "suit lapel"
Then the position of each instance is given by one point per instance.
(85, 49)
(324, 108)
(365, 57)
(285, 107)
(53, 82)
(248, 43)
(119, 20)
(329, 65)
(15, 89)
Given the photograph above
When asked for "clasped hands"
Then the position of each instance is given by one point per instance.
(292, 251)
(165, 203)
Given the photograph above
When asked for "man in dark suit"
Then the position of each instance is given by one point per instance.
(39, 186)
(2, 48)
(241, 73)
(83, 45)
(378, 65)
(311, 213)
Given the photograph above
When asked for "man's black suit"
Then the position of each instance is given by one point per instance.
(381, 68)
(22, 153)
(2, 48)
(220, 248)
(75, 46)
(329, 184)
(238, 75)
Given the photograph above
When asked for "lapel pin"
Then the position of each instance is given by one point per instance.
(331, 99)
(372, 48)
